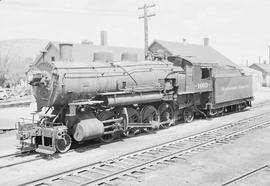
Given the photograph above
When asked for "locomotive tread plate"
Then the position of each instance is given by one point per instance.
(46, 150)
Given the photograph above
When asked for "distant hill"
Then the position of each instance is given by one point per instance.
(16, 55)
(22, 48)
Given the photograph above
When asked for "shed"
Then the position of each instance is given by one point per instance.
(256, 77)
(265, 70)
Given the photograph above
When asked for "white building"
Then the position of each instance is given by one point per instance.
(256, 77)
(265, 70)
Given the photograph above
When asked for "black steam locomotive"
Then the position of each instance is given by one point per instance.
(104, 99)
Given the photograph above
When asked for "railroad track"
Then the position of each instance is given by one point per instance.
(247, 174)
(132, 165)
(14, 159)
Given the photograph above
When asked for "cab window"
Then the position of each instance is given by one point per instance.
(206, 73)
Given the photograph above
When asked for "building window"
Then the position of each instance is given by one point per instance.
(52, 58)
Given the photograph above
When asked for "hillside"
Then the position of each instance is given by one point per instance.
(22, 48)
(16, 55)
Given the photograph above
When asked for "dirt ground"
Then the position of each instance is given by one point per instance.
(191, 171)
(218, 164)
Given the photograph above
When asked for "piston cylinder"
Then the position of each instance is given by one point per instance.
(88, 129)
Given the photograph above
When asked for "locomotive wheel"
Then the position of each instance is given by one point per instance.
(188, 115)
(63, 145)
(166, 114)
(106, 115)
(133, 117)
(149, 114)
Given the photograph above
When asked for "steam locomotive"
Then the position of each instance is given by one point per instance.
(105, 99)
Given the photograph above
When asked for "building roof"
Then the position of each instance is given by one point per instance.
(84, 52)
(194, 53)
(249, 70)
(262, 67)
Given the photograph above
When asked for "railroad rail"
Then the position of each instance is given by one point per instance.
(19, 158)
(128, 166)
(247, 174)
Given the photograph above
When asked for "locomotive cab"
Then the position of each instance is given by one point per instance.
(202, 78)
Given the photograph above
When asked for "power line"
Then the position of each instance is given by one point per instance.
(145, 18)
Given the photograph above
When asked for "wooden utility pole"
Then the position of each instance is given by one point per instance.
(145, 18)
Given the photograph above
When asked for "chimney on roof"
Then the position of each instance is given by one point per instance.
(103, 38)
(65, 51)
(206, 41)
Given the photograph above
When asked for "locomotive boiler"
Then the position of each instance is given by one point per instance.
(105, 99)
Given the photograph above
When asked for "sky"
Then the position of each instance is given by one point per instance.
(239, 29)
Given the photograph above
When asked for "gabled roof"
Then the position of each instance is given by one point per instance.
(262, 67)
(84, 52)
(194, 53)
(39, 56)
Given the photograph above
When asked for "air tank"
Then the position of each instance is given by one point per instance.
(129, 57)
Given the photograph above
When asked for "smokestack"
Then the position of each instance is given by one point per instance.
(206, 41)
(103, 38)
(65, 51)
